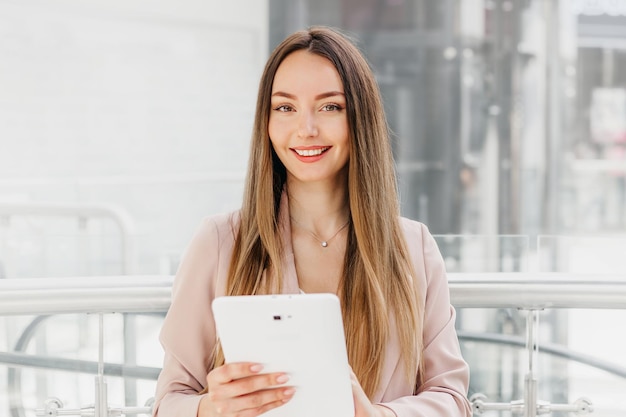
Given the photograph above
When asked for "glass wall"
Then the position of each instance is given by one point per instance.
(508, 115)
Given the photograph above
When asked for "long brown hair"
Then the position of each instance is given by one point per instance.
(378, 276)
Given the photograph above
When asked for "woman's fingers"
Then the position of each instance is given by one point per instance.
(243, 386)
(254, 403)
(232, 371)
(240, 389)
(272, 405)
(241, 380)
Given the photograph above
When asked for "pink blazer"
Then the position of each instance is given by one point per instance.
(188, 332)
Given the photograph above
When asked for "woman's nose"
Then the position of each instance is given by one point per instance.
(307, 125)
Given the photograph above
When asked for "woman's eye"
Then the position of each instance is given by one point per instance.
(283, 108)
(331, 107)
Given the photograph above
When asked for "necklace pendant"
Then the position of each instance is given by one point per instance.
(324, 244)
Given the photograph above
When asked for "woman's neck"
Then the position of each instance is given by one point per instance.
(319, 207)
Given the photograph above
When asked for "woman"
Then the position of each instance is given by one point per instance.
(320, 214)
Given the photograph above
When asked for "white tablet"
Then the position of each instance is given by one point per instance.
(301, 335)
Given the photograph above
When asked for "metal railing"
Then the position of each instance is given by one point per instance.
(84, 212)
(151, 294)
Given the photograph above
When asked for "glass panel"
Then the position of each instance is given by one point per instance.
(604, 387)
(582, 254)
(58, 357)
(476, 253)
(588, 333)
(578, 358)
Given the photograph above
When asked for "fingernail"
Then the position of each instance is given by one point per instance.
(281, 379)
(256, 367)
(289, 392)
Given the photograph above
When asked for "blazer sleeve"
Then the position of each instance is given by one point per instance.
(445, 375)
(188, 333)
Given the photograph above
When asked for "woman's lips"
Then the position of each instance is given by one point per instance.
(312, 151)
(310, 154)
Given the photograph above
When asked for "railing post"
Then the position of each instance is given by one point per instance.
(101, 401)
(532, 348)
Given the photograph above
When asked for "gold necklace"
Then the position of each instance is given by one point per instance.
(323, 242)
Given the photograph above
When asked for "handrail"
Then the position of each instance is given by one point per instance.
(533, 291)
(152, 294)
(114, 294)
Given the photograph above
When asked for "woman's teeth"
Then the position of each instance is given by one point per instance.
(310, 152)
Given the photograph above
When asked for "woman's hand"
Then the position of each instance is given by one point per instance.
(240, 390)
(362, 405)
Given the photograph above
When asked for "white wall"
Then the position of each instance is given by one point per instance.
(144, 104)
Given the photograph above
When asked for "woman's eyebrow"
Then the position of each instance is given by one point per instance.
(329, 94)
(283, 94)
(317, 97)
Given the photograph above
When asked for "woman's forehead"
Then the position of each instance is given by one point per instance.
(303, 72)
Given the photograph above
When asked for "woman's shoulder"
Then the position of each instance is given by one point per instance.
(421, 244)
(220, 227)
(413, 228)
(209, 250)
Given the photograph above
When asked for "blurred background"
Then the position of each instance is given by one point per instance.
(124, 123)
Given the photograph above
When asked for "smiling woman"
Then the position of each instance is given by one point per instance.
(320, 215)
(308, 126)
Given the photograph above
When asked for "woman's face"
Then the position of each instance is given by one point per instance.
(308, 125)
